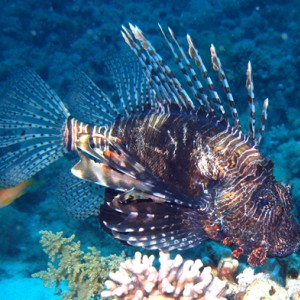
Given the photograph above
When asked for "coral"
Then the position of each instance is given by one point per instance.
(293, 277)
(260, 285)
(246, 278)
(227, 268)
(137, 278)
(85, 272)
(265, 289)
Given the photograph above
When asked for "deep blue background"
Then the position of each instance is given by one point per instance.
(57, 37)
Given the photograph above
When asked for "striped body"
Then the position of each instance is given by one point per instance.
(188, 151)
(198, 156)
(202, 158)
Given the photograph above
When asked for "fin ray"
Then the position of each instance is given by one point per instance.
(152, 225)
(32, 118)
(89, 103)
(132, 87)
(79, 198)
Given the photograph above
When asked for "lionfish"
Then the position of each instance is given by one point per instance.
(176, 169)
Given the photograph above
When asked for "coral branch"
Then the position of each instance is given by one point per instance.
(84, 272)
(137, 278)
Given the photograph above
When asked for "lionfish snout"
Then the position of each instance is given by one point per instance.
(285, 238)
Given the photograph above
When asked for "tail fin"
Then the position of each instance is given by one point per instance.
(32, 118)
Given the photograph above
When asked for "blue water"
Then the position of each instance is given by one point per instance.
(57, 37)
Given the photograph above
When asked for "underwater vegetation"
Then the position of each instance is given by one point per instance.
(140, 279)
(85, 272)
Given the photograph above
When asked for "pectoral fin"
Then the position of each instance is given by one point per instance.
(103, 174)
(113, 166)
(152, 225)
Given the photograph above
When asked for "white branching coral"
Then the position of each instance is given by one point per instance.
(245, 278)
(138, 279)
(177, 279)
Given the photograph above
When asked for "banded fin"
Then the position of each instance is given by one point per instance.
(115, 157)
(166, 86)
(115, 168)
(80, 199)
(152, 225)
(131, 84)
(250, 88)
(90, 104)
(32, 118)
(104, 175)
(217, 66)
(168, 89)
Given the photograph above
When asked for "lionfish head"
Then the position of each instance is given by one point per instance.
(280, 231)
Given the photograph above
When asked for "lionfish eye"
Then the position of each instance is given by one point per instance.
(266, 200)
